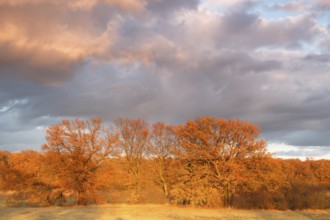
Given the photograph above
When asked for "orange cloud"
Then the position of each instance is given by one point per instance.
(38, 42)
(130, 5)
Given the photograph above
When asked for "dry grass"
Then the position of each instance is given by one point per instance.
(159, 212)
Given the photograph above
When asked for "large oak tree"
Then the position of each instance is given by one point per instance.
(75, 150)
(219, 144)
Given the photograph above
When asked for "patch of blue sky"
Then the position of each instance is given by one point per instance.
(324, 19)
(266, 9)
(302, 46)
(310, 48)
(211, 6)
(269, 11)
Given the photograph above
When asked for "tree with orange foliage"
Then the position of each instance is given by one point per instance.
(162, 144)
(4, 168)
(321, 170)
(205, 162)
(75, 150)
(25, 175)
(219, 144)
(134, 137)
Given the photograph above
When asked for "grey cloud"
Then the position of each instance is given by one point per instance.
(323, 4)
(285, 32)
(243, 27)
(319, 58)
(308, 138)
(105, 93)
(46, 42)
(316, 152)
(17, 133)
(49, 67)
(46, 57)
(172, 68)
(165, 7)
(27, 140)
(238, 21)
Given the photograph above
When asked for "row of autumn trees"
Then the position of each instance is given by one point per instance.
(205, 162)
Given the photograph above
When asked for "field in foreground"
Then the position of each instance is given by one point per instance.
(159, 212)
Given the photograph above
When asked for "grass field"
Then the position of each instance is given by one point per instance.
(158, 212)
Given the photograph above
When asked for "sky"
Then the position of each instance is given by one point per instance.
(267, 62)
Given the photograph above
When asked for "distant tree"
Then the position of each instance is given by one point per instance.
(134, 137)
(321, 170)
(160, 150)
(5, 169)
(204, 162)
(76, 150)
(25, 175)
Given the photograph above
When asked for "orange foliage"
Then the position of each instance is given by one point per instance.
(133, 142)
(219, 145)
(205, 162)
(161, 147)
(75, 151)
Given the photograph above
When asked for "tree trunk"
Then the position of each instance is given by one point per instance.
(81, 198)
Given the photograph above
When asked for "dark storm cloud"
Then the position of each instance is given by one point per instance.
(288, 32)
(319, 58)
(104, 92)
(163, 60)
(165, 7)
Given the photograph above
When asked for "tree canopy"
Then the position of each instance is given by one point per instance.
(204, 162)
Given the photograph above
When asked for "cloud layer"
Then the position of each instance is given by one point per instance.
(171, 60)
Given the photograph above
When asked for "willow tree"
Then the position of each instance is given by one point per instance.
(76, 150)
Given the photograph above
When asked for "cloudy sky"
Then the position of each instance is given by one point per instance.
(267, 62)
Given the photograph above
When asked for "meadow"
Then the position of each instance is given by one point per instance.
(159, 212)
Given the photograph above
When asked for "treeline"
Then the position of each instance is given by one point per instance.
(206, 162)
